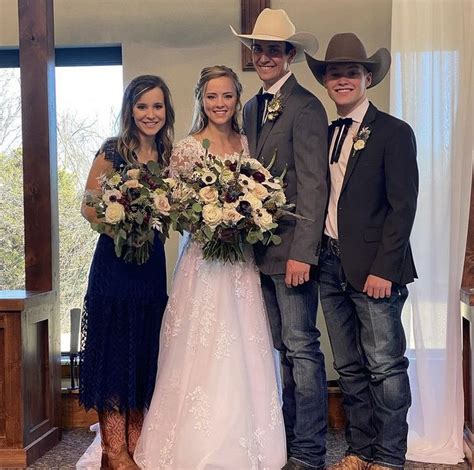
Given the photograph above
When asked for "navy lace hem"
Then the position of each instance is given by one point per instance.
(123, 309)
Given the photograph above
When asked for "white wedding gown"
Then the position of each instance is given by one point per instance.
(216, 403)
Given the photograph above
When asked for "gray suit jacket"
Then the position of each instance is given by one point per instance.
(299, 136)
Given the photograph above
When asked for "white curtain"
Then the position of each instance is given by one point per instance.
(432, 89)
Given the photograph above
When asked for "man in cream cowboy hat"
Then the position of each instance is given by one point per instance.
(286, 121)
(366, 260)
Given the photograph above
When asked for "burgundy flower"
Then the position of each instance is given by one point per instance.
(258, 177)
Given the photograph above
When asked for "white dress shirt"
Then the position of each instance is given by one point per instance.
(337, 169)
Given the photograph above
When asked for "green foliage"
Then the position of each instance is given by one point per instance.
(12, 263)
(76, 239)
(76, 244)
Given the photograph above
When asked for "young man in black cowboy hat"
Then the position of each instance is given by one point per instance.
(293, 123)
(366, 260)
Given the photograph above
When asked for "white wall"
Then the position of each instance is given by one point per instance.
(176, 38)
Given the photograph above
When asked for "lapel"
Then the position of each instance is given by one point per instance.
(285, 92)
(369, 118)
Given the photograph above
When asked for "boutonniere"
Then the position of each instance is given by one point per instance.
(361, 138)
(275, 108)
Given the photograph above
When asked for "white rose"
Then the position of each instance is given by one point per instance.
(263, 219)
(208, 195)
(111, 193)
(114, 213)
(359, 144)
(132, 184)
(134, 173)
(212, 215)
(254, 202)
(231, 216)
(161, 203)
(246, 183)
(260, 191)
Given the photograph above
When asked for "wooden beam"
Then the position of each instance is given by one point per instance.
(38, 109)
(249, 10)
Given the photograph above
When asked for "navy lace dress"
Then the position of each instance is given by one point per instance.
(123, 308)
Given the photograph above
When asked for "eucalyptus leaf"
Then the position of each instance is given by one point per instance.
(275, 239)
(153, 167)
(122, 234)
(197, 207)
(208, 232)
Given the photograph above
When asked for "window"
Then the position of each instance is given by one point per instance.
(88, 95)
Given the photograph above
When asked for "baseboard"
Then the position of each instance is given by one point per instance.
(336, 415)
(73, 415)
(21, 458)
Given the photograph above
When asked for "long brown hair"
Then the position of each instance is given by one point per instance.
(128, 140)
(200, 120)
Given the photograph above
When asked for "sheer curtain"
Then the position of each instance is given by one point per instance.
(431, 88)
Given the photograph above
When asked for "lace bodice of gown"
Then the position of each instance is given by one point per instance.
(188, 151)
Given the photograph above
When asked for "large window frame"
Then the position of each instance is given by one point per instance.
(70, 56)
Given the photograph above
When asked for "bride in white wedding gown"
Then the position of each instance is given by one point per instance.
(216, 403)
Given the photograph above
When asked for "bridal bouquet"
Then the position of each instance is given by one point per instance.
(226, 203)
(132, 203)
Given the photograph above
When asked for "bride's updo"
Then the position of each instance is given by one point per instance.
(200, 120)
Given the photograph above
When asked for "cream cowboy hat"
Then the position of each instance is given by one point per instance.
(275, 25)
(348, 48)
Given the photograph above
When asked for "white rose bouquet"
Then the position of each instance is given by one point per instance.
(131, 205)
(226, 203)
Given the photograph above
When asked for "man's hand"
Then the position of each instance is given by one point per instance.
(296, 273)
(377, 287)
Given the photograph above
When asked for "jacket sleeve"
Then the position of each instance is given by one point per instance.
(401, 182)
(310, 158)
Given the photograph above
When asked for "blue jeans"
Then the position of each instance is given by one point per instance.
(368, 344)
(292, 316)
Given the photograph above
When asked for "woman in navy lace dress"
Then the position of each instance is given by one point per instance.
(124, 303)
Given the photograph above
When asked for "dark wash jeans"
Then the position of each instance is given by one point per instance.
(368, 344)
(292, 317)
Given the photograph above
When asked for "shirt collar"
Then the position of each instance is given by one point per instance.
(275, 88)
(358, 113)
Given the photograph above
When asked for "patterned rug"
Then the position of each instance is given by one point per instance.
(74, 443)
